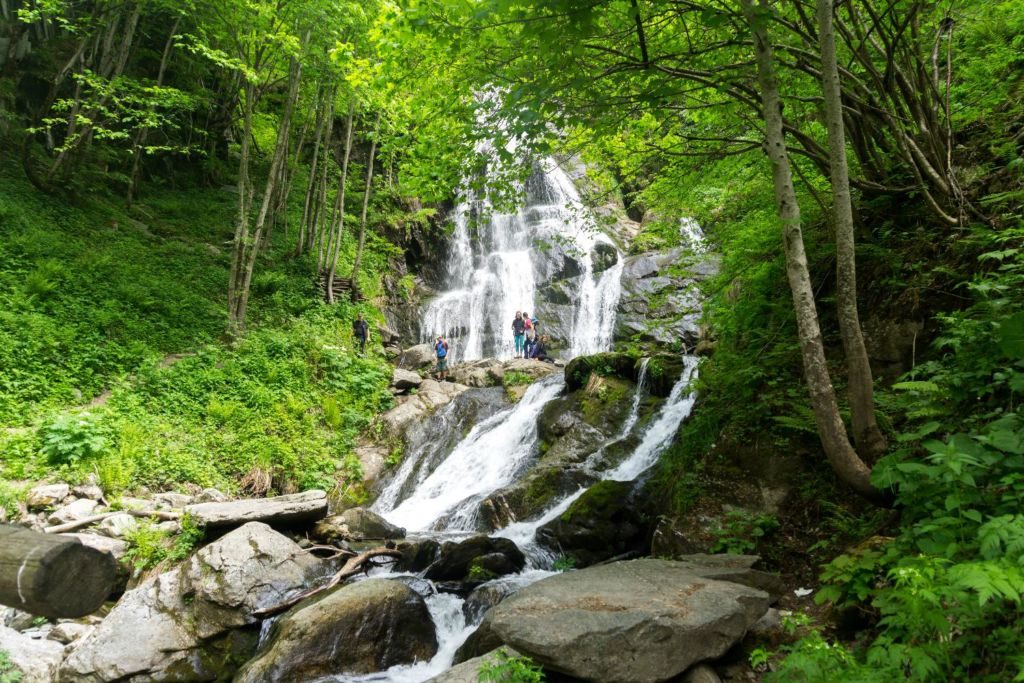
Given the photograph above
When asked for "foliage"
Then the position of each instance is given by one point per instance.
(11, 496)
(505, 668)
(148, 546)
(9, 673)
(740, 532)
(515, 378)
(564, 563)
(71, 439)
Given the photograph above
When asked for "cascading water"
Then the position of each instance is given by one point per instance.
(497, 261)
(488, 458)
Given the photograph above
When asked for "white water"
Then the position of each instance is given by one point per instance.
(495, 272)
(487, 459)
(660, 432)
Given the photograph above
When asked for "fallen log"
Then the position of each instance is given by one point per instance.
(92, 519)
(307, 506)
(352, 567)
(53, 576)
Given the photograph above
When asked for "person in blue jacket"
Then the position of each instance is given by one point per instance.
(441, 351)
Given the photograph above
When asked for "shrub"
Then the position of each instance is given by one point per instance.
(507, 669)
(70, 439)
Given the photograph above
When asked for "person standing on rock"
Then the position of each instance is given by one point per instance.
(441, 351)
(361, 331)
(518, 333)
(530, 335)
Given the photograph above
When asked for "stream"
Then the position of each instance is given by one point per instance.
(436, 491)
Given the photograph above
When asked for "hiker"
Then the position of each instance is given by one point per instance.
(540, 350)
(530, 335)
(441, 350)
(518, 332)
(362, 332)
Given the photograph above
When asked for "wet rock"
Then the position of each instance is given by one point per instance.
(601, 524)
(430, 396)
(476, 557)
(37, 660)
(417, 357)
(579, 369)
(483, 598)
(307, 506)
(668, 542)
(117, 526)
(403, 380)
(373, 458)
(181, 625)
(359, 628)
(72, 512)
(486, 372)
(418, 555)
(577, 622)
(603, 256)
(45, 496)
(356, 524)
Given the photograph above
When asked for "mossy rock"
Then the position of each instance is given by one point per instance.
(663, 371)
(579, 369)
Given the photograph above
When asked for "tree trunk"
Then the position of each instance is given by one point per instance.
(362, 218)
(866, 434)
(841, 455)
(340, 226)
(236, 321)
(53, 576)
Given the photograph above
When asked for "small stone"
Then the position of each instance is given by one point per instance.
(768, 625)
(169, 527)
(89, 491)
(172, 500)
(129, 503)
(46, 496)
(16, 619)
(702, 673)
(117, 526)
(72, 512)
(211, 495)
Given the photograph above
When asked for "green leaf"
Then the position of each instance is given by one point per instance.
(1011, 336)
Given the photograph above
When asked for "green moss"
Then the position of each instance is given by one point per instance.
(595, 500)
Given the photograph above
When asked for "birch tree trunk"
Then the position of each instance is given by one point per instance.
(340, 228)
(840, 453)
(362, 219)
(866, 434)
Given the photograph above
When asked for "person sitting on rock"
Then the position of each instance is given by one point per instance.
(540, 350)
(441, 350)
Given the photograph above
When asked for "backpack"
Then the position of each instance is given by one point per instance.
(441, 348)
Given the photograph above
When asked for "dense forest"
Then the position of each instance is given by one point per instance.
(198, 199)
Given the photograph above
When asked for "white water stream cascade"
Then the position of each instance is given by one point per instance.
(497, 260)
(493, 277)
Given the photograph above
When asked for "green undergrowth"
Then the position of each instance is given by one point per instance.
(112, 360)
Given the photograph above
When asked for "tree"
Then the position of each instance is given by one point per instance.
(843, 458)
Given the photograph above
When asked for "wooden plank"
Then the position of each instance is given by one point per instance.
(52, 576)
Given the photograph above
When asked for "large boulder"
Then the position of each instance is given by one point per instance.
(601, 524)
(37, 660)
(479, 557)
(579, 369)
(356, 524)
(73, 512)
(430, 396)
(417, 357)
(403, 380)
(642, 621)
(735, 569)
(182, 625)
(359, 628)
(307, 506)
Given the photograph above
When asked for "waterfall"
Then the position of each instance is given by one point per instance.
(497, 261)
(488, 458)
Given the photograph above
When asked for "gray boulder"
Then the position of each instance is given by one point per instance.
(171, 499)
(117, 526)
(356, 524)
(412, 409)
(359, 628)
(601, 524)
(69, 631)
(416, 357)
(669, 618)
(72, 512)
(403, 380)
(180, 625)
(90, 491)
(37, 660)
(307, 506)
(735, 569)
(47, 495)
